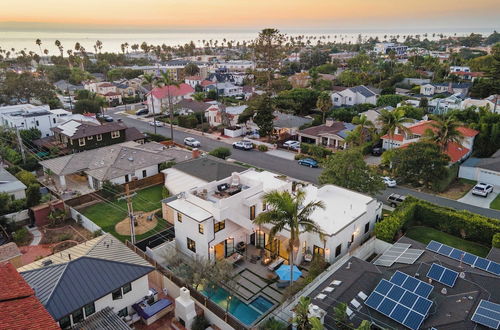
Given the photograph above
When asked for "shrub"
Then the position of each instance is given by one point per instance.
(189, 121)
(200, 323)
(164, 192)
(63, 237)
(273, 324)
(315, 151)
(262, 147)
(165, 165)
(470, 226)
(496, 240)
(300, 156)
(221, 152)
(26, 177)
(33, 195)
(110, 190)
(156, 137)
(20, 236)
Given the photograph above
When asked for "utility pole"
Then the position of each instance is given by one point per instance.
(130, 209)
(21, 146)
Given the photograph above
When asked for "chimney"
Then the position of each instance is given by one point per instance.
(196, 153)
(329, 122)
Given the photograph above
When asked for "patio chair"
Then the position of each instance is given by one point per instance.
(275, 264)
(282, 284)
(362, 295)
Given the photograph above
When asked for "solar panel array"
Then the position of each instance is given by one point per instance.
(466, 257)
(442, 275)
(399, 304)
(487, 314)
(411, 284)
(399, 252)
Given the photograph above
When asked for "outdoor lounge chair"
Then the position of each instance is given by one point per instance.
(355, 303)
(282, 284)
(275, 264)
(362, 295)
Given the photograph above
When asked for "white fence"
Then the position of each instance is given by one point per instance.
(18, 216)
(83, 220)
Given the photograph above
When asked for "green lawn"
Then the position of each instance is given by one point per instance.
(427, 234)
(107, 216)
(495, 204)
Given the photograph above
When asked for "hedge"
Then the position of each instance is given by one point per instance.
(465, 224)
(496, 240)
(315, 151)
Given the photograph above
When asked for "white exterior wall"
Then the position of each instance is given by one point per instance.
(140, 289)
(479, 175)
(44, 123)
(18, 194)
(467, 172)
(151, 170)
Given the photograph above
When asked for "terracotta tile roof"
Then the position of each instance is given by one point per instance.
(205, 83)
(12, 284)
(420, 128)
(19, 308)
(472, 74)
(454, 150)
(162, 92)
(395, 137)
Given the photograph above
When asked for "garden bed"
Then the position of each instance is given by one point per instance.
(64, 233)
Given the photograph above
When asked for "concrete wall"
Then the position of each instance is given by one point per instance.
(20, 216)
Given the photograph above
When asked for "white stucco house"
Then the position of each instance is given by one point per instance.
(158, 98)
(212, 219)
(355, 95)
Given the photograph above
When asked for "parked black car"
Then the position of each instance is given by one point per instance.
(377, 151)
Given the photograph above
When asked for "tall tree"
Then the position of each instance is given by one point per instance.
(392, 121)
(287, 211)
(269, 52)
(169, 83)
(443, 131)
(348, 169)
(262, 109)
(364, 128)
(191, 69)
(421, 163)
(324, 103)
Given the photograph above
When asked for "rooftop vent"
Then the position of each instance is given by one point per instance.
(131, 159)
(46, 262)
(444, 291)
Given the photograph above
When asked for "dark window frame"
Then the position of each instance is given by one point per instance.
(367, 227)
(201, 230)
(90, 306)
(191, 244)
(127, 288)
(338, 250)
(218, 226)
(117, 294)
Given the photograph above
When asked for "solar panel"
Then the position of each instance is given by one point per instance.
(399, 252)
(411, 284)
(399, 304)
(487, 314)
(467, 258)
(442, 275)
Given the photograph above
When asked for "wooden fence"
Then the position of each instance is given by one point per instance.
(212, 306)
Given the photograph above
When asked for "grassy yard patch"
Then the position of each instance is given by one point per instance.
(495, 204)
(456, 190)
(426, 234)
(107, 215)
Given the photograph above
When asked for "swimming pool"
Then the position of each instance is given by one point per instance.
(247, 314)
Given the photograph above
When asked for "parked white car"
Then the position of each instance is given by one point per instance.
(389, 182)
(482, 189)
(157, 123)
(192, 142)
(290, 144)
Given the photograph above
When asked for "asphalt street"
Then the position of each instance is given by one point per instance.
(291, 168)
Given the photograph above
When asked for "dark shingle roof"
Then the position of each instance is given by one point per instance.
(338, 127)
(285, 120)
(133, 134)
(105, 319)
(209, 168)
(64, 288)
(89, 129)
(365, 91)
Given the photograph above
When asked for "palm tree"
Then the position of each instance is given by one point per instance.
(60, 46)
(364, 126)
(444, 131)
(39, 43)
(167, 81)
(324, 103)
(392, 121)
(149, 79)
(287, 212)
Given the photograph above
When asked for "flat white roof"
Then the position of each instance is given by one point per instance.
(341, 206)
(269, 180)
(177, 181)
(190, 209)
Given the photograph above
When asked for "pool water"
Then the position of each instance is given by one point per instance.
(247, 314)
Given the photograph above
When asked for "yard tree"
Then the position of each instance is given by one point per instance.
(263, 118)
(324, 103)
(300, 101)
(421, 163)
(389, 99)
(412, 112)
(392, 121)
(26, 177)
(5, 201)
(30, 134)
(191, 69)
(33, 195)
(348, 169)
(445, 130)
(269, 52)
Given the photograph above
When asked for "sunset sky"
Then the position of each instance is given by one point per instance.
(254, 13)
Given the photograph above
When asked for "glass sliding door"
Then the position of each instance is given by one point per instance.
(229, 246)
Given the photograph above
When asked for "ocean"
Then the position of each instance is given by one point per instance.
(111, 40)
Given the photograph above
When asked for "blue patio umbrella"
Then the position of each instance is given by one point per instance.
(284, 273)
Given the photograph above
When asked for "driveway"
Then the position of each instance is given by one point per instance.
(480, 201)
(282, 154)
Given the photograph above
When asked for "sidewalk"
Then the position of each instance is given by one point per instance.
(37, 235)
